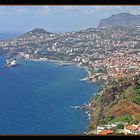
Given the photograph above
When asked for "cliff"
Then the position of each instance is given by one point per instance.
(118, 98)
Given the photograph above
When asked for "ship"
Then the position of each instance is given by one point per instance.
(10, 62)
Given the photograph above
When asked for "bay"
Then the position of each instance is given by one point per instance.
(37, 98)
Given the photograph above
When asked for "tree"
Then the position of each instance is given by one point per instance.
(120, 126)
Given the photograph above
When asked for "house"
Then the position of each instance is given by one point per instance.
(99, 129)
(105, 132)
(104, 127)
(131, 129)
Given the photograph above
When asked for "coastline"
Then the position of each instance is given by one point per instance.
(86, 106)
(64, 63)
(81, 95)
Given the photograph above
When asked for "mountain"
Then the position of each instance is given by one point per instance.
(38, 31)
(121, 19)
(35, 35)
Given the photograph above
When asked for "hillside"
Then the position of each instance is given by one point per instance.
(122, 19)
(117, 99)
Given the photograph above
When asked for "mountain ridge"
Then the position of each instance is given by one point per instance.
(120, 19)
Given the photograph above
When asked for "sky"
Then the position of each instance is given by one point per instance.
(57, 18)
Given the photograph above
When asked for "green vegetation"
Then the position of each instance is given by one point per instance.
(106, 120)
(112, 119)
(136, 100)
(124, 118)
(120, 126)
(120, 80)
(98, 98)
(113, 82)
(137, 91)
(138, 82)
(113, 103)
(129, 93)
(124, 91)
(136, 97)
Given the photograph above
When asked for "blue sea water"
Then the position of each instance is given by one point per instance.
(9, 35)
(36, 98)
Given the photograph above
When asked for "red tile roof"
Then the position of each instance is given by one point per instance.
(131, 127)
(105, 132)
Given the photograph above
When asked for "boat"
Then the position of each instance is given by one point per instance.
(10, 62)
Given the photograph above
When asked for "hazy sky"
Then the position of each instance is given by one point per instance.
(57, 18)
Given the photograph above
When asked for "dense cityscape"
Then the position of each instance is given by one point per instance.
(106, 52)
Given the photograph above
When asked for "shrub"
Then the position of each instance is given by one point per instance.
(113, 103)
(136, 100)
(120, 126)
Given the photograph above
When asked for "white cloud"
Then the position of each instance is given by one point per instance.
(21, 11)
(56, 10)
(47, 8)
(13, 10)
(68, 7)
(42, 12)
(60, 10)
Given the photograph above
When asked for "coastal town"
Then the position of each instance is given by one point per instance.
(109, 55)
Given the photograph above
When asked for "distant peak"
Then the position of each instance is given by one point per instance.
(38, 30)
(122, 14)
(120, 19)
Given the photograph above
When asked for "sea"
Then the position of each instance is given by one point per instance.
(38, 98)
